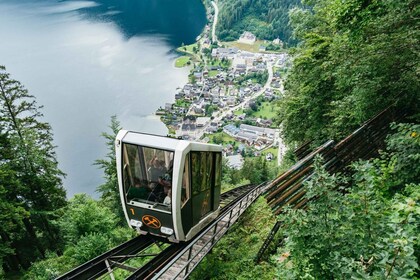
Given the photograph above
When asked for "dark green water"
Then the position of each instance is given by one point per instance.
(88, 60)
(179, 21)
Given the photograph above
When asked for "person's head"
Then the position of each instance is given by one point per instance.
(137, 182)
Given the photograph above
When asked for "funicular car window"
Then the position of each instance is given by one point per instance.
(218, 171)
(147, 175)
(202, 172)
(185, 191)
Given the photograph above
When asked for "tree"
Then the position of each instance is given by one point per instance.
(356, 58)
(32, 169)
(88, 229)
(109, 191)
(84, 216)
(11, 212)
(255, 170)
(362, 234)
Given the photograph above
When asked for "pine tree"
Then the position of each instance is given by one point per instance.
(34, 180)
(109, 190)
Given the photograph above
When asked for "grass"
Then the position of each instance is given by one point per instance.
(233, 256)
(246, 47)
(225, 139)
(218, 62)
(238, 112)
(182, 61)
(267, 110)
(213, 73)
(188, 49)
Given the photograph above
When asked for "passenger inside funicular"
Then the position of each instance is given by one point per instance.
(140, 190)
(148, 175)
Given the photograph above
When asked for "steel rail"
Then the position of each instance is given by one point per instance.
(166, 259)
(363, 143)
(102, 264)
(97, 266)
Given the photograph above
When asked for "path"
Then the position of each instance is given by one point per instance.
(216, 14)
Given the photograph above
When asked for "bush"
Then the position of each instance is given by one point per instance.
(370, 232)
(50, 268)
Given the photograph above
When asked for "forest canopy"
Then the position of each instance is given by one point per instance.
(267, 19)
(355, 59)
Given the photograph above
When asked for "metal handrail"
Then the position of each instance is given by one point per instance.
(233, 212)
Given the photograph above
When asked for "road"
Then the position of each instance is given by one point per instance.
(216, 14)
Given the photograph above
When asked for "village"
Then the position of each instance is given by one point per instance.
(230, 98)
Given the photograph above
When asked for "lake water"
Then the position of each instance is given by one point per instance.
(88, 60)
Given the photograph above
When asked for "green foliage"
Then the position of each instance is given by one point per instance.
(267, 19)
(260, 78)
(89, 246)
(404, 150)
(255, 170)
(365, 233)
(182, 61)
(50, 268)
(233, 257)
(85, 216)
(109, 190)
(89, 229)
(31, 187)
(356, 58)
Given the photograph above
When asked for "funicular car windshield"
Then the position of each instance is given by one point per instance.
(147, 176)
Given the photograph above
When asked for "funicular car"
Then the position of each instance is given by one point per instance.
(168, 187)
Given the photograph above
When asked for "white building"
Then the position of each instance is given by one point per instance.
(236, 161)
(247, 38)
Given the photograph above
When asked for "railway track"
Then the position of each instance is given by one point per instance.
(176, 260)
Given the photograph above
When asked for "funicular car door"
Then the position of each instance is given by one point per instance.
(186, 203)
(202, 184)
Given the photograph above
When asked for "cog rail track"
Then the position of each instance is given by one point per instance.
(178, 259)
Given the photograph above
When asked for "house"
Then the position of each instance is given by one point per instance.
(231, 101)
(198, 75)
(247, 38)
(235, 161)
(202, 121)
(231, 130)
(259, 131)
(247, 136)
(168, 106)
(211, 129)
(276, 41)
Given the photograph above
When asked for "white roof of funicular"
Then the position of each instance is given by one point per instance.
(149, 140)
(163, 142)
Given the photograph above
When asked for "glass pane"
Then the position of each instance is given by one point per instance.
(218, 175)
(147, 175)
(196, 178)
(186, 187)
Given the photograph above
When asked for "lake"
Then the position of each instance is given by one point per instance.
(85, 61)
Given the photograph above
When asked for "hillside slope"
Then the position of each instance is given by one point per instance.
(267, 19)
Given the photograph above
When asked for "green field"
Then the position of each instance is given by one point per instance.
(187, 48)
(245, 47)
(238, 112)
(182, 61)
(272, 150)
(213, 73)
(266, 110)
(222, 138)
